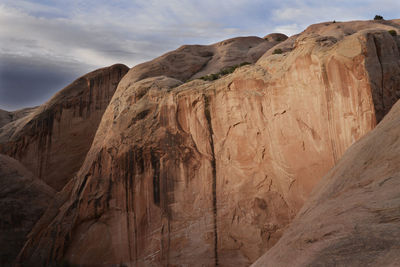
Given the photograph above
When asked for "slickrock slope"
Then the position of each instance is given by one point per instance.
(23, 199)
(194, 61)
(353, 216)
(52, 142)
(211, 173)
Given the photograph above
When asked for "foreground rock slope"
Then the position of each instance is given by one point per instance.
(353, 216)
(211, 173)
(52, 141)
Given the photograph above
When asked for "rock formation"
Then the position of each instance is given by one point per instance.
(52, 141)
(204, 173)
(353, 216)
(23, 199)
(194, 61)
(7, 117)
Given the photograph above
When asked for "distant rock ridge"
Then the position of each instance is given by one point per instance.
(10, 116)
(53, 139)
(189, 172)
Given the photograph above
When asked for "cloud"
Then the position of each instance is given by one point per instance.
(95, 33)
(300, 14)
(30, 81)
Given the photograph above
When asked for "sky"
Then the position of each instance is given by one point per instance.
(47, 44)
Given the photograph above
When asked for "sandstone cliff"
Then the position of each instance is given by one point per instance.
(211, 173)
(353, 216)
(52, 141)
(23, 199)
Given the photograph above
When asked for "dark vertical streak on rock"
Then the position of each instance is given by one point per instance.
(380, 114)
(83, 184)
(207, 114)
(128, 187)
(80, 107)
(44, 126)
(138, 157)
(91, 85)
(109, 190)
(329, 98)
(155, 164)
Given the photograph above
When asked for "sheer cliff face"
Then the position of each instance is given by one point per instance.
(211, 173)
(352, 217)
(52, 141)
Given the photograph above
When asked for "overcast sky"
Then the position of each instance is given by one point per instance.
(46, 44)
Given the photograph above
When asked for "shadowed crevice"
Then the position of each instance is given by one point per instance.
(214, 174)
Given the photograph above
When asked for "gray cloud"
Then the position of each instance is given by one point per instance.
(31, 81)
(46, 43)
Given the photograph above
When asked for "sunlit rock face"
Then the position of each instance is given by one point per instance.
(52, 141)
(211, 173)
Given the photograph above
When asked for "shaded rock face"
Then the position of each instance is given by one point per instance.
(211, 173)
(23, 199)
(52, 141)
(353, 215)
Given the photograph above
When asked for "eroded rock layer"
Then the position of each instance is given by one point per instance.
(211, 173)
(52, 141)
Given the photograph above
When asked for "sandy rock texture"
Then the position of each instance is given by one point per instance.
(211, 173)
(23, 199)
(353, 215)
(52, 141)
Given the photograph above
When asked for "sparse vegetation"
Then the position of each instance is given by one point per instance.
(277, 51)
(392, 32)
(223, 72)
(378, 17)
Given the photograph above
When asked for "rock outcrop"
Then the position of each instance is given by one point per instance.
(52, 141)
(23, 199)
(211, 173)
(279, 37)
(353, 215)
